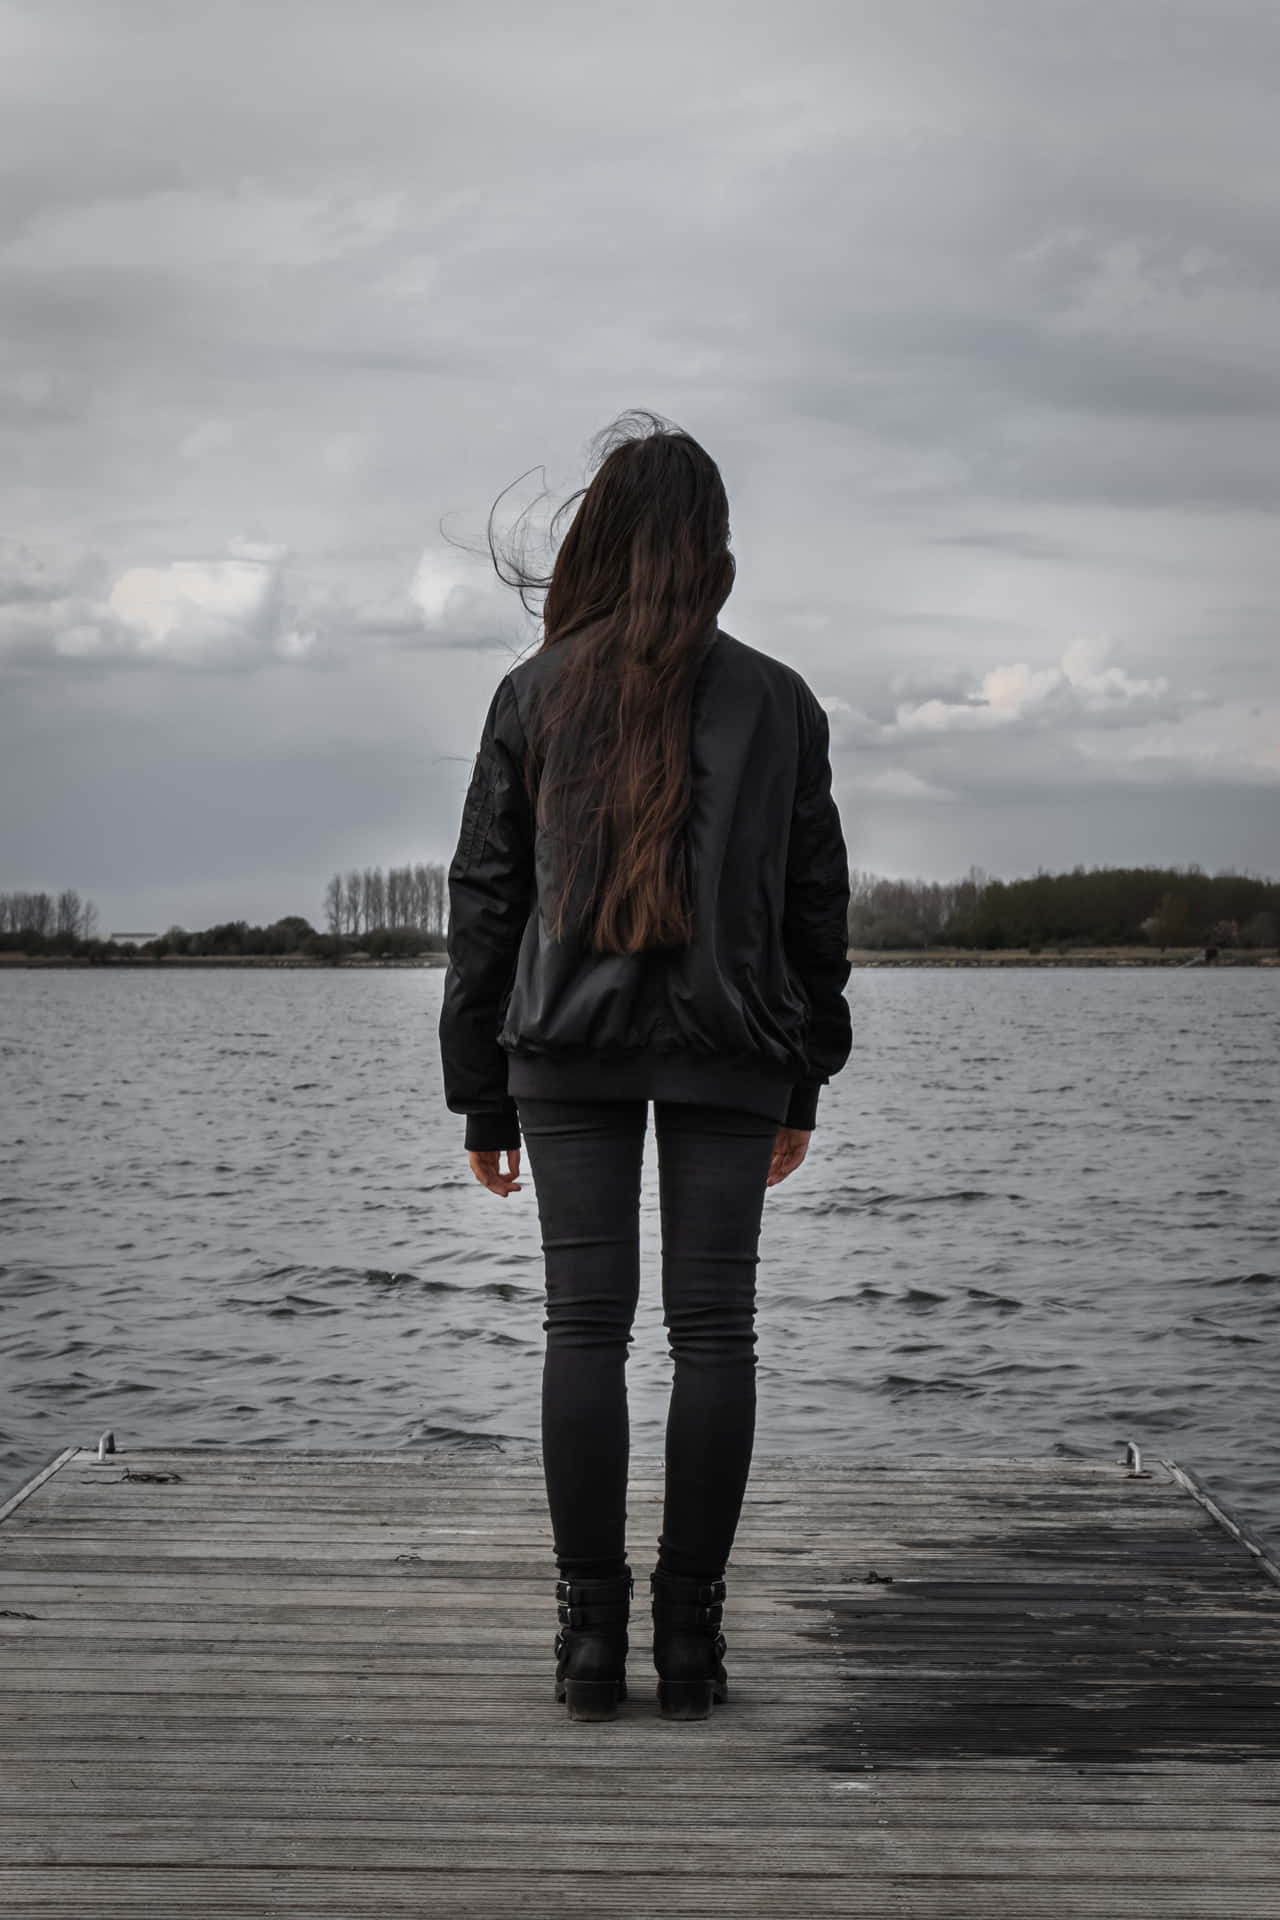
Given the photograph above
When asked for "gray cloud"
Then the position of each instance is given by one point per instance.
(984, 340)
(241, 611)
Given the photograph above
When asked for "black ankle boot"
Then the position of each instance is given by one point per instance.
(591, 1648)
(688, 1646)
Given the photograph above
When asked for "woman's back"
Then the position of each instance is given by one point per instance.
(648, 904)
(751, 1010)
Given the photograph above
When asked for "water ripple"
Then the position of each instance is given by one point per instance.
(1039, 1214)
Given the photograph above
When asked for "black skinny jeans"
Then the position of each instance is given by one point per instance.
(585, 1159)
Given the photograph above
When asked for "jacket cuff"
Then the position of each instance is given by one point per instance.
(802, 1110)
(497, 1128)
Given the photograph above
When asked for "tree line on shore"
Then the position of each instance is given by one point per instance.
(403, 913)
(404, 899)
(48, 917)
(399, 914)
(1093, 907)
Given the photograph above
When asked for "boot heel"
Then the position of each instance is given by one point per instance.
(684, 1699)
(592, 1699)
(688, 1646)
(591, 1647)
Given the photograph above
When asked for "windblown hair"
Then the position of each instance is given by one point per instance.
(635, 589)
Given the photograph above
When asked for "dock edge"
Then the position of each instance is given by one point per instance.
(38, 1479)
(1224, 1516)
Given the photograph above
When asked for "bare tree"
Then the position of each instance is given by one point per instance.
(910, 913)
(352, 902)
(40, 913)
(333, 904)
(1261, 930)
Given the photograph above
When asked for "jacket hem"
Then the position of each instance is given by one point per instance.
(702, 1079)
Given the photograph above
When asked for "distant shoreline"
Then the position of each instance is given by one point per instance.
(858, 958)
(1083, 957)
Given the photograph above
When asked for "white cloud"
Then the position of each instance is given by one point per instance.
(239, 612)
(1084, 668)
(235, 612)
(1081, 690)
(453, 609)
(436, 579)
(848, 726)
(187, 605)
(1083, 721)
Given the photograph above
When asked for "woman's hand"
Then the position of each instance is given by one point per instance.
(789, 1149)
(488, 1172)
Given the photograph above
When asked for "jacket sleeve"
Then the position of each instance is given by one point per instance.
(491, 893)
(815, 926)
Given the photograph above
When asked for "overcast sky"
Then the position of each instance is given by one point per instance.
(977, 306)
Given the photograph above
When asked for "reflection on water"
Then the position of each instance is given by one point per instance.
(1040, 1214)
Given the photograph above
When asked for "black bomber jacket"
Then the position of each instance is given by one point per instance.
(751, 1013)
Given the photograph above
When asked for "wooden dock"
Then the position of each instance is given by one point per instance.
(299, 1684)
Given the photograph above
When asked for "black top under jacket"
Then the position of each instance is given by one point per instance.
(751, 1013)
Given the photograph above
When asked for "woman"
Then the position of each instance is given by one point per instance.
(648, 901)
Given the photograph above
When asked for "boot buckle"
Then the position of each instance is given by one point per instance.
(565, 1609)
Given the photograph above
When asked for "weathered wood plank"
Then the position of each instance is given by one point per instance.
(230, 1790)
(621, 1848)
(1059, 1696)
(300, 1893)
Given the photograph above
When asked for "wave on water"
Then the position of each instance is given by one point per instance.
(1056, 1192)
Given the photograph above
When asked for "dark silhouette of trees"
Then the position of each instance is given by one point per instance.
(30, 922)
(373, 899)
(397, 914)
(351, 898)
(1261, 930)
(27, 913)
(907, 914)
(408, 899)
(1167, 926)
(403, 913)
(235, 938)
(1094, 907)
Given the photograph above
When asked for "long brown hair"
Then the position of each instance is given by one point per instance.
(635, 589)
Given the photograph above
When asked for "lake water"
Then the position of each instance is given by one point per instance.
(1040, 1215)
